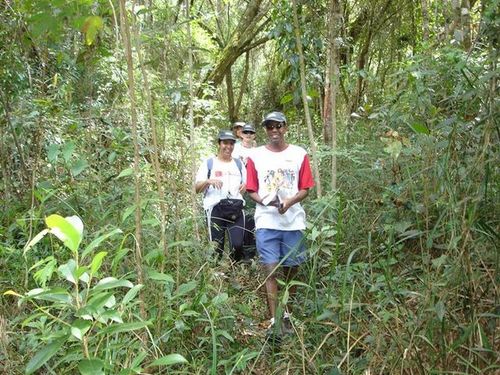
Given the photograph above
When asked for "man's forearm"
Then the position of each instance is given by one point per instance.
(255, 196)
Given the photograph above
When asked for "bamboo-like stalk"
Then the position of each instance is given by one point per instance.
(304, 100)
(154, 139)
(125, 29)
(191, 121)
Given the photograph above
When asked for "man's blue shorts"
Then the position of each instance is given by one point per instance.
(280, 246)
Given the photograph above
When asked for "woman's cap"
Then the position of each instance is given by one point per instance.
(226, 135)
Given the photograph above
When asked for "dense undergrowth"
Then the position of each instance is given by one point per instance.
(403, 269)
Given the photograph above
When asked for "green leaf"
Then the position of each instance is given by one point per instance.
(68, 149)
(69, 230)
(124, 327)
(99, 300)
(125, 173)
(35, 240)
(220, 298)
(79, 328)
(168, 360)
(68, 271)
(111, 283)
(158, 276)
(53, 295)
(78, 167)
(420, 128)
(91, 366)
(96, 242)
(52, 152)
(131, 294)
(185, 288)
(97, 262)
(286, 98)
(44, 355)
(394, 148)
(111, 314)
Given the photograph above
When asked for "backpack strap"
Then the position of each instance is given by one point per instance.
(210, 165)
(240, 167)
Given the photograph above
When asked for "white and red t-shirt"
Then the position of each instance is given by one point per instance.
(283, 174)
(228, 173)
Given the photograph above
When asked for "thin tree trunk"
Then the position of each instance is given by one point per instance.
(137, 179)
(304, 99)
(335, 22)
(191, 122)
(425, 19)
(154, 138)
(465, 23)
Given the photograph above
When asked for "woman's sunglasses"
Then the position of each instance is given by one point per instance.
(279, 125)
(247, 132)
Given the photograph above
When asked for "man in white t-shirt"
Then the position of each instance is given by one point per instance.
(278, 179)
(244, 149)
(222, 180)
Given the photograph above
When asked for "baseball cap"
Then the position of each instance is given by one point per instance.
(238, 124)
(274, 116)
(226, 135)
(248, 128)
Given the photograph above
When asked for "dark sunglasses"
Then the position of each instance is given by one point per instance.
(247, 132)
(275, 126)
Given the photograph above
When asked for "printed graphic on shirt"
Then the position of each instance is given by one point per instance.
(280, 179)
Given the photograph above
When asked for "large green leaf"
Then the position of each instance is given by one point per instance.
(168, 360)
(158, 276)
(97, 262)
(91, 366)
(44, 355)
(111, 283)
(69, 230)
(78, 167)
(131, 294)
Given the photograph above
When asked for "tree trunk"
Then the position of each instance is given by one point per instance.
(137, 179)
(335, 17)
(191, 128)
(425, 20)
(304, 99)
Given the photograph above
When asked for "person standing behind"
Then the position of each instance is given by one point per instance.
(244, 149)
(278, 179)
(237, 129)
(222, 180)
